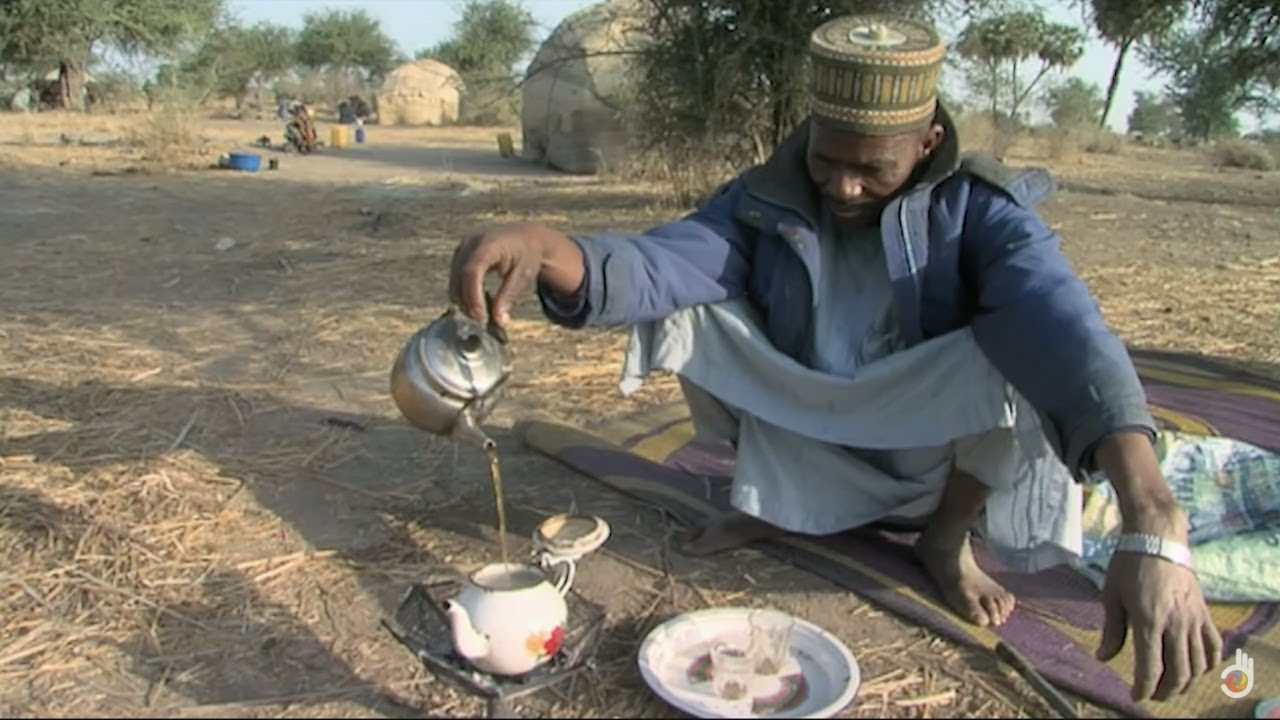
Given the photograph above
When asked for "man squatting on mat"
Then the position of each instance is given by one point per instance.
(889, 333)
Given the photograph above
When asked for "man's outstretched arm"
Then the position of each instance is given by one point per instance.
(609, 279)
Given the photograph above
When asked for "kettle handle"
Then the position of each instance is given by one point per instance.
(492, 327)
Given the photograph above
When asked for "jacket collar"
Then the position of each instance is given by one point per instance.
(784, 178)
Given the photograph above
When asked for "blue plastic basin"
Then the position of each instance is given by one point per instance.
(247, 162)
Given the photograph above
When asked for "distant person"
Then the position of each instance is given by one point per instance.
(916, 348)
(300, 132)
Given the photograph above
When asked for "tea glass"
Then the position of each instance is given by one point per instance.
(732, 668)
(771, 640)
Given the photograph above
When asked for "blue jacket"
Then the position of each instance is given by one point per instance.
(964, 247)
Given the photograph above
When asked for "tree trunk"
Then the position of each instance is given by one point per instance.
(1013, 93)
(71, 84)
(1020, 98)
(1115, 81)
(995, 94)
(779, 121)
(762, 149)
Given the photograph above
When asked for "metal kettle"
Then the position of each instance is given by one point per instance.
(450, 375)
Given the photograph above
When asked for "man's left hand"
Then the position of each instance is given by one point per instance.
(1175, 641)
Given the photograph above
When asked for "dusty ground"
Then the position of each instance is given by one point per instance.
(186, 529)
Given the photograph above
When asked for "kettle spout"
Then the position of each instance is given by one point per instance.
(470, 644)
(467, 432)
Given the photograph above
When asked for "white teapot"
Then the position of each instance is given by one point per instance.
(511, 618)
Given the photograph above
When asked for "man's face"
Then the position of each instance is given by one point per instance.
(858, 174)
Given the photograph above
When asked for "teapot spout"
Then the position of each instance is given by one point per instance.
(467, 432)
(470, 644)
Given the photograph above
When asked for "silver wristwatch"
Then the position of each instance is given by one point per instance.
(1154, 545)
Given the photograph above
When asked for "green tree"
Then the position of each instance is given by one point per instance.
(1074, 103)
(1000, 47)
(1154, 116)
(345, 41)
(488, 40)
(69, 33)
(235, 61)
(1252, 29)
(1123, 23)
(1248, 32)
(1207, 83)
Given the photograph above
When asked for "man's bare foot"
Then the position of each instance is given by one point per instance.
(729, 532)
(965, 587)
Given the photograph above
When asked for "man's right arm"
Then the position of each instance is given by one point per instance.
(633, 278)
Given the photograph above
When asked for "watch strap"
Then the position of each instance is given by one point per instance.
(1156, 546)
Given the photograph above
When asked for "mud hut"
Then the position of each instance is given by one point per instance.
(576, 90)
(423, 92)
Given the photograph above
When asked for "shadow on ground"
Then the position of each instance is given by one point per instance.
(363, 508)
(247, 671)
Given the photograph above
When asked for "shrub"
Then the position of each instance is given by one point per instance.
(1102, 142)
(979, 133)
(1243, 154)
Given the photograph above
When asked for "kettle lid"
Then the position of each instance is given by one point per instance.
(462, 355)
(570, 535)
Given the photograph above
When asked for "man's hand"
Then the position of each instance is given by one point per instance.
(1175, 641)
(518, 254)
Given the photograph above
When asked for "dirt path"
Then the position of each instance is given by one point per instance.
(192, 401)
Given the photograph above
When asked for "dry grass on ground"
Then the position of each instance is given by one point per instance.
(207, 502)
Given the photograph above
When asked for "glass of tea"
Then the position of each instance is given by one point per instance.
(732, 667)
(771, 640)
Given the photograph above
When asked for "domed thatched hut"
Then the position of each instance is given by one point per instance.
(574, 90)
(423, 92)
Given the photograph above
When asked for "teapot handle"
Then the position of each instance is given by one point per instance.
(564, 575)
(492, 327)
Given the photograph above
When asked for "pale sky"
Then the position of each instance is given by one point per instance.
(416, 24)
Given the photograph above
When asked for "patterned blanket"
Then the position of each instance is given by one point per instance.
(1058, 622)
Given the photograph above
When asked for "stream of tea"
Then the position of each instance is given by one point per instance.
(495, 477)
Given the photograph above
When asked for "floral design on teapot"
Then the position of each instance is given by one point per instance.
(545, 644)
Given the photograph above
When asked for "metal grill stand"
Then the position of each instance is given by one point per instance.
(421, 625)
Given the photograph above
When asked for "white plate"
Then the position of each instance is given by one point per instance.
(820, 681)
